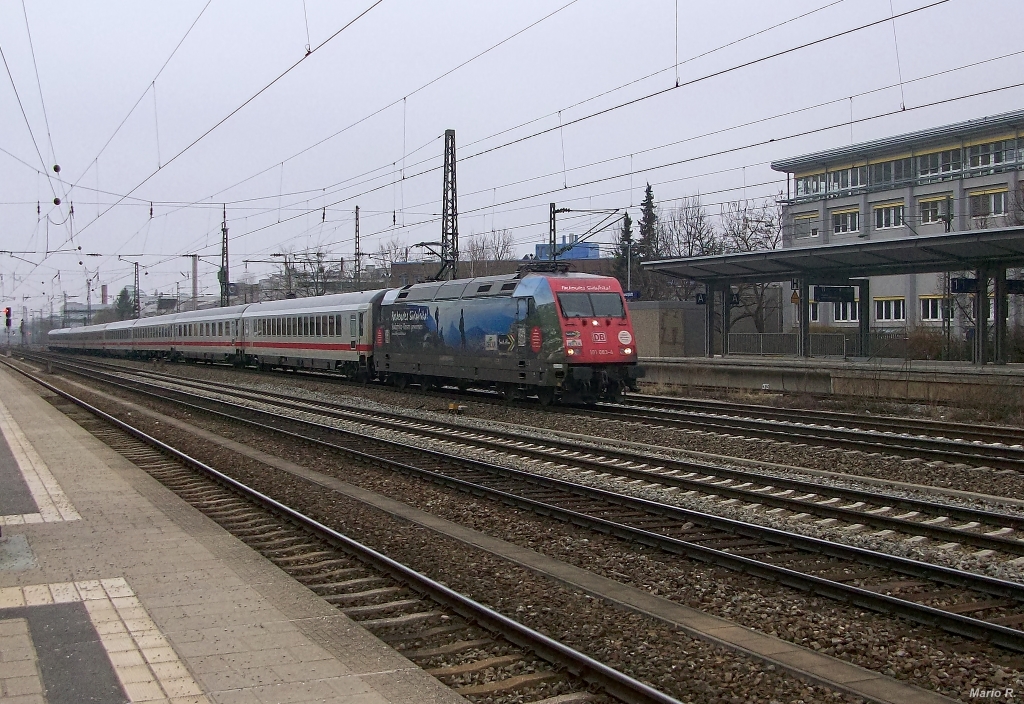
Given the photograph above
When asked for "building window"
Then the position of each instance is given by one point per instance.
(810, 185)
(939, 163)
(986, 204)
(934, 308)
(814, 311)
(847, 179)
(890, 309)
(888, 216)
(848, 221)
(805, 225)
(845, 312)
(982, 155)
(888, 172)
(930, 212)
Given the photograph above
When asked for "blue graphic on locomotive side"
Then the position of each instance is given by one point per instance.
(456, 327)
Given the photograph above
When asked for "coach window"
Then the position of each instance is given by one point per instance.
(330, 326)
(305, 326)
(352, 327)
(220, 329)
(360, 325)
(316, 326)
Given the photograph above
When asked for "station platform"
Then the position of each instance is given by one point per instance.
(113, 590)
(913, 381)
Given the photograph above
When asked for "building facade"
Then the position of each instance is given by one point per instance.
(954, 178)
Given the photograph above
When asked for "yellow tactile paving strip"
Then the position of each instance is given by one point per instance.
(53, 505)
(145, 662)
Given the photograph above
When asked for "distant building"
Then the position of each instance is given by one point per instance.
(957, 177)
(573, 249)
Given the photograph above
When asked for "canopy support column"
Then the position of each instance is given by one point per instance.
(864, 316)
(999, 353)
(805, 318)
(726, 317)
(980, 316)
(709, 321)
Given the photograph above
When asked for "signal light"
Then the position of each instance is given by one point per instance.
(7, 317)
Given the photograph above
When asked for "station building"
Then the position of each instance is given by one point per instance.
(954, 178)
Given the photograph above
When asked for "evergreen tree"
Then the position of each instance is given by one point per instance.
(624, 250)
(648, 243)
(124, 306)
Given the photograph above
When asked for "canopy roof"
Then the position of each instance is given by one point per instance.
(922, 139)
(999, 247)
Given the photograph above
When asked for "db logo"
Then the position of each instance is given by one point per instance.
(600, 337)
(624, 337)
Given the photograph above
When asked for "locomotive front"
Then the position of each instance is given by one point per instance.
(594, 355)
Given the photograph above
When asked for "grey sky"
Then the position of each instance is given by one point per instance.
(96, 59)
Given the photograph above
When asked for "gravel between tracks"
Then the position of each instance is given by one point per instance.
(966, 558)
(929, 658)
(688, 669)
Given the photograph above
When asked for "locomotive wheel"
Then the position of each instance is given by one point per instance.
(401, 382)
(546, 395)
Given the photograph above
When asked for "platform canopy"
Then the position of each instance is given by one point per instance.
(997, 248)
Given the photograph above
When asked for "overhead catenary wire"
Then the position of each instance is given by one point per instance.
(167, 61)
(236, 110)
(490, 188)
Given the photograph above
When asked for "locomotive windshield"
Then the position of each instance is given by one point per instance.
(591, 305)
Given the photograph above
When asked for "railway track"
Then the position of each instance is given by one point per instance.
(991, 446)
(479, 653)
(974, 433)
(946, 523)
(960, 602)
(997, 455)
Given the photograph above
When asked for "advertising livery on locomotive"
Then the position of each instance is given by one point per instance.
(557, 336)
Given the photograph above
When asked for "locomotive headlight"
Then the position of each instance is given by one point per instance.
(627, 350)
(595, 322)
(570, 352)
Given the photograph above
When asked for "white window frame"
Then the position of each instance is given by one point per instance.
(933, 308)
(989, 202)
(891, 309)
(888, 217)
(809, 220)
(845, 221)
(846, 311)
(931, 212)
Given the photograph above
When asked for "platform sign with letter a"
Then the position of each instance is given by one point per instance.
(702, 299)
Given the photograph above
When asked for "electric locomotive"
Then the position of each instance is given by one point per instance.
(558, 336)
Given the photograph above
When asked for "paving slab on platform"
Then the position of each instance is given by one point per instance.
(114, 590)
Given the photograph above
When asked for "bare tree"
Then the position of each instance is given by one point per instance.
(753, 226)
(481, 251)
(388, 252)
(688, 231)
(311, 272)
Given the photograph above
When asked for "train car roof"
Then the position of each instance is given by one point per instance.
(202, 313)
(477, 287)
(313, 303)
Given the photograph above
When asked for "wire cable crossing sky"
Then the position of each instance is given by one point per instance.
(130, 127)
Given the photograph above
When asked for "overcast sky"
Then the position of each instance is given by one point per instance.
(360, 120)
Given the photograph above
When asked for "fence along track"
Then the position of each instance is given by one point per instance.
(865, 578)
(476, 651)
